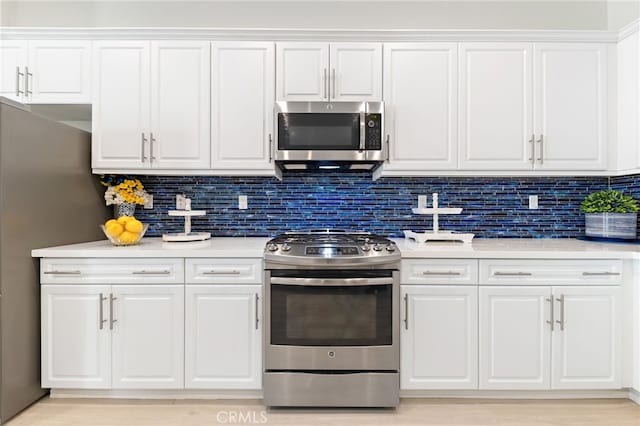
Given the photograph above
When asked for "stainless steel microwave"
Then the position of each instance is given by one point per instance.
(347, 132)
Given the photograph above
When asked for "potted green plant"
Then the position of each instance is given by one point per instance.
(610, 214)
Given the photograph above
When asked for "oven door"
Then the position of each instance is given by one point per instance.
(325, 131)
(331, 320)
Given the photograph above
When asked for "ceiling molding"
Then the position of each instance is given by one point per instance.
(629, 30)
(281, 34)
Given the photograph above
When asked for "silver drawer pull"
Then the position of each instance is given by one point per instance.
(600, 274)
(151, 272)
(441, 273)
(512, 274)
(234, 272)
(62, 272)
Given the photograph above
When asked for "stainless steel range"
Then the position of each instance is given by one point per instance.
(332, 320)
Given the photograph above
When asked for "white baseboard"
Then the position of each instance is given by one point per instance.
(634, 395)
(518, 394)
(156, 394)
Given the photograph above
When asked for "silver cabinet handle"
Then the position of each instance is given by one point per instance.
(151, 142)
(332, 281)
(18, 74)
(551, 314)
(561, 322)
(388, 148)
(270, 149)
(143, 272)
(324, 83)
(214, 272)
(541, 142)
(111, 319)
(406, 312)
(533, 148)
(600, 274)
(441, 273)
(257, 318)
(26, 81)
(512, 274)
(333, 79)
(143, 141)
(102, 320)
(62, 272)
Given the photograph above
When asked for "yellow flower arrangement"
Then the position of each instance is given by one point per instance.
(120, 190)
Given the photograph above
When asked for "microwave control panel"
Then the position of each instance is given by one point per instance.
(373, 129)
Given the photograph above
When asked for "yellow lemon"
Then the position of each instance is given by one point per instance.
(133, 225)
(110, 222)
(122, 220)
(114, 229)
(129, 237)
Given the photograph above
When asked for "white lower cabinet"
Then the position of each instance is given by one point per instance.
(224, 337)
(439, 337)
(148, 337)
(76, 341)
(117, 337)
(541, 337)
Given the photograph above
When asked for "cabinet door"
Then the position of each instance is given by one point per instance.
(13, 59)
(587, 338)
(356, 71)
(148, 336)
(59, 72)
(76, 341)
(302, 71)
(515, 338)
(223, 341)
(180, 99)
(121, 105)
(496, 117)
(243, 95)
(571, 106)
(420, 95)
(439, 341)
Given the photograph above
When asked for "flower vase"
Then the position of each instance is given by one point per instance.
(124, 209)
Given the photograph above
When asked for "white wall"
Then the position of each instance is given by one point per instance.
(469, 14)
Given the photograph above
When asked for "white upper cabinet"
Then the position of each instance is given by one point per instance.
(515, 338)
(439, 341)
(121, 105)
(46, 71)
(148, 336)
(570, 106)
(327, 72)
(496, 118)
(420, 95)
(587, 338)
(59, 72)
(179, 135)
(151, 105)
(243, 96)
(13, 59)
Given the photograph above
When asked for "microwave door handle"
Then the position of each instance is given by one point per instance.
(362, 131)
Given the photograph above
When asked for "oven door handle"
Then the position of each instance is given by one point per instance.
(332, 281)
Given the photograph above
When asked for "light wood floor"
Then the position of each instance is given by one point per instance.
(100, 412)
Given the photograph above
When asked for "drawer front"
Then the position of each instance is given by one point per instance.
(223, 271)
(439, 271)
(111, 271)
(550, 272)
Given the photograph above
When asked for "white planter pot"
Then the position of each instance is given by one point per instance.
(611, 225)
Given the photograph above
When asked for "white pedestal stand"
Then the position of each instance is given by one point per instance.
(437, 234)
(187, 235)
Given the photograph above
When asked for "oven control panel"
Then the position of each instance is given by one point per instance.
(331, 251)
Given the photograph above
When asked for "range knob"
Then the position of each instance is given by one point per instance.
(365, 247)
(391, 248)
(286, 247)
(377, 247)
(272, 247)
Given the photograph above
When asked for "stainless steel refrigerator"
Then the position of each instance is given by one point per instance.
(48, 197)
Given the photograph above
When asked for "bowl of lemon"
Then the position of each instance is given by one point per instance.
(124, 231)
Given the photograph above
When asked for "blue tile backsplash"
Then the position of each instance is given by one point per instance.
(493, 206)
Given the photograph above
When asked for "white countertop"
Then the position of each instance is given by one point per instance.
(155, 247)
(253, 247)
